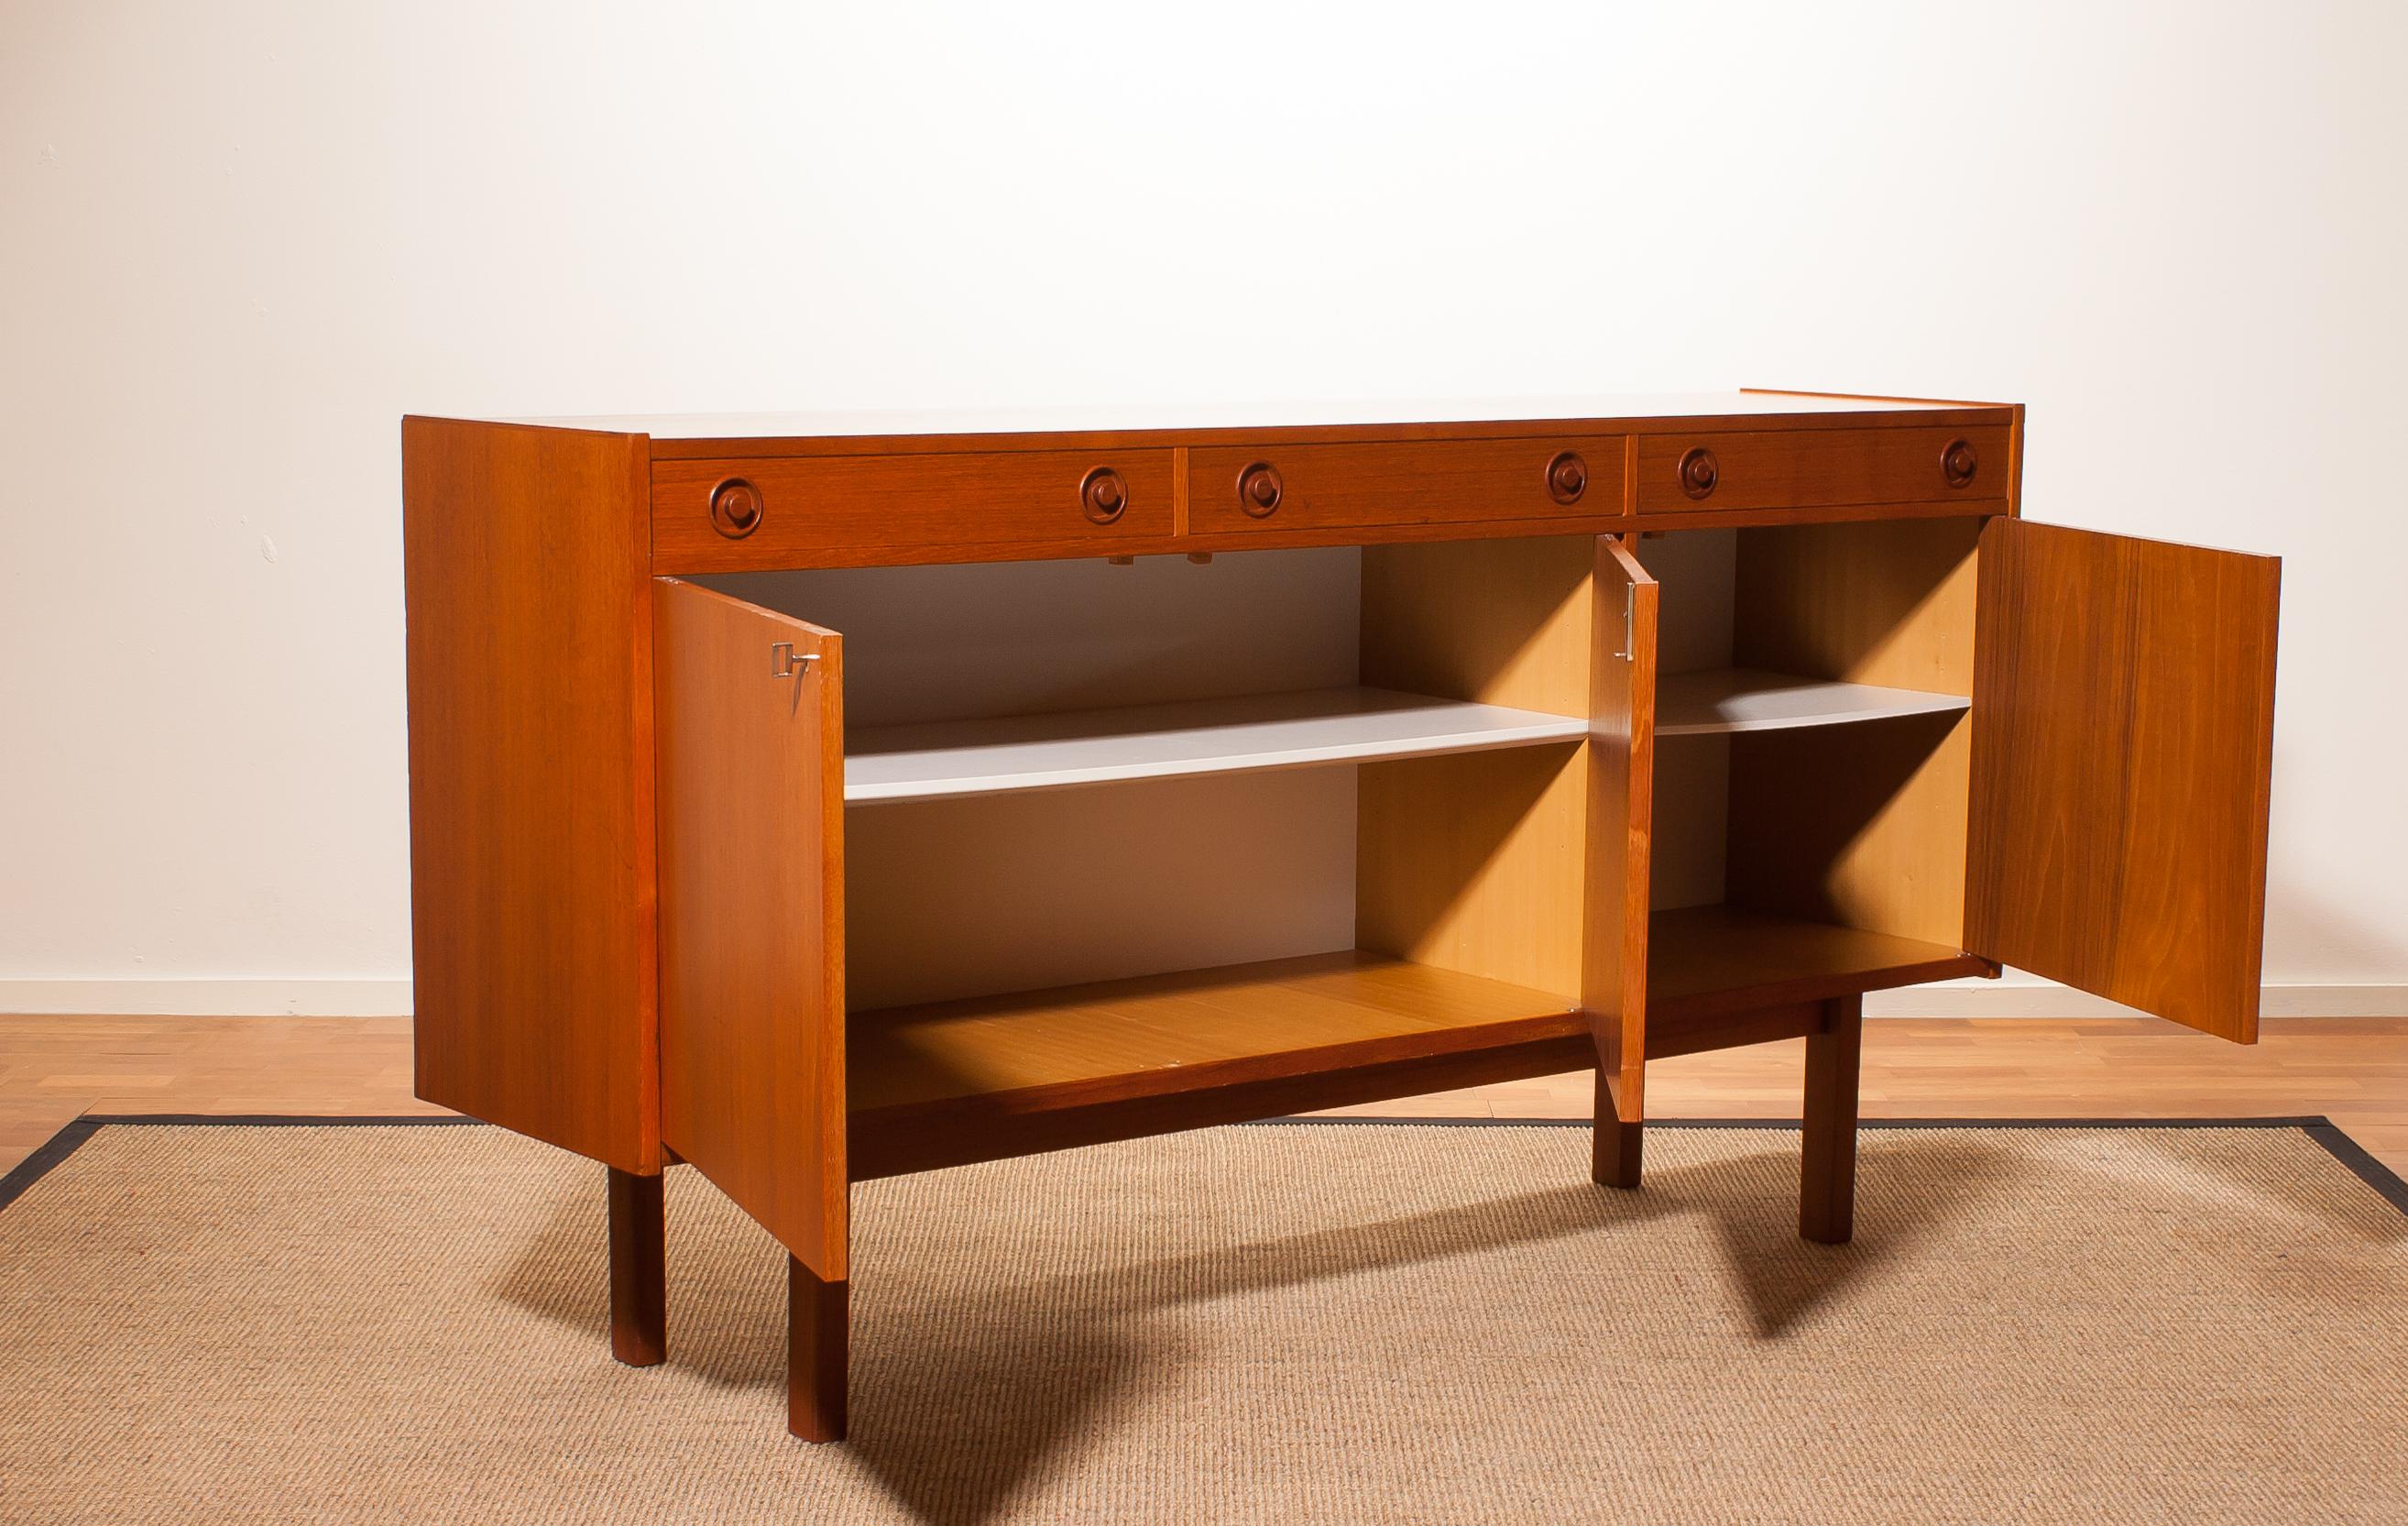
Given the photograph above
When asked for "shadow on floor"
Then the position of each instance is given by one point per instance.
(942, 1417)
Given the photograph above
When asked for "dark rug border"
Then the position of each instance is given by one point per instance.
(2386, 1182)
(52, 1152)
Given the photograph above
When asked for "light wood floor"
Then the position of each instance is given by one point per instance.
(2352, 1069)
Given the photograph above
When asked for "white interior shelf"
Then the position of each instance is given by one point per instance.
(1248, 733)
(1724, 699)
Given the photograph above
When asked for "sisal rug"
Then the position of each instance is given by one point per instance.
(1293, 1324)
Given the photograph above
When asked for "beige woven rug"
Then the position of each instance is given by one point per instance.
(1276, 1324)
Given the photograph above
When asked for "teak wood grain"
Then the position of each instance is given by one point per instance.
(1827, 1175)
(993, 1077)
(1617, 1147)
(638, 1269)
(1154, 1035)
(1401, 482)
(530, 686)
(901, 1141)
(1474, 862)
(751, 863)
(1705, 960)
(819, 1349)
(2124, 695)
(1809, 468)
(1502, 622)
(863, 507)
(1704, 1029)
(1865, 825)
(1882, 601)
(958, 544)
(1621, 797)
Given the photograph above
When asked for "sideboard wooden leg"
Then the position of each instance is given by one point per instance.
(638, 1269)
(818, 1339)
(1618, 1145)
(1826, 1197)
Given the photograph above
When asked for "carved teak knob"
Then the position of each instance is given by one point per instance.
(1103, 493)
(1699, 473)
(736, 507)
(1958, 463)
(1258, 489)
(1567, 477)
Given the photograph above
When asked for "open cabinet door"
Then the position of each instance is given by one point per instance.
(1621, 795)
(2123, 741)
(750, 719)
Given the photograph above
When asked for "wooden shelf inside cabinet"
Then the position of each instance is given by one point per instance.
(1709, 960)
(1192, 1031)
(1724, 699)
(1246, 733)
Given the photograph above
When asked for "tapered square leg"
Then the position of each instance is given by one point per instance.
(818, 1350)
(1617, 1145)
(1826, 1194)
(638, 1270)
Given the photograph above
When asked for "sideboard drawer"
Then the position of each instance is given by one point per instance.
(1817, 468)
(1243, 488)
(757, 512)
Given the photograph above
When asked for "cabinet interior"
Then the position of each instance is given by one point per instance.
(960, 895)
(1259, 857)
(1858, 820)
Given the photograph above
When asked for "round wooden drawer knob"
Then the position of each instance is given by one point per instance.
(1104, 495)
(1258, 489)
(1958, 462)
(1700, 473)
(1567, 477)
(736, 507)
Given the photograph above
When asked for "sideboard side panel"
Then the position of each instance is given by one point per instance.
(531, 792)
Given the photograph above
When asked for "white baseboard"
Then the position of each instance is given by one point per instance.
(2045, 998)
(392, 999)
(208, 998)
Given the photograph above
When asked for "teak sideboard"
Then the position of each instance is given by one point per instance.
(812, 799)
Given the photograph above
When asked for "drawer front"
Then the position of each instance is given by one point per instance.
(1818, 468)
(759, 513)
(1238, 488)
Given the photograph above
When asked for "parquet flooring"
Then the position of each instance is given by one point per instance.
(2352, 1069)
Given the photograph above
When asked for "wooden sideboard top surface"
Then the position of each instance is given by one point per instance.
(903, 431)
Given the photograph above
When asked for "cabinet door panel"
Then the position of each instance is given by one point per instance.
(1621, 801)
(2123, 738)
(751, 866)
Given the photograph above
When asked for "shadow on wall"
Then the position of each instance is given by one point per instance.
(2315, 932)
(2332, 943)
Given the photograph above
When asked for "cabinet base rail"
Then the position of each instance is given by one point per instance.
(817, 1309)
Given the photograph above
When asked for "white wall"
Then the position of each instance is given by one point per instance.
(237, 241)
